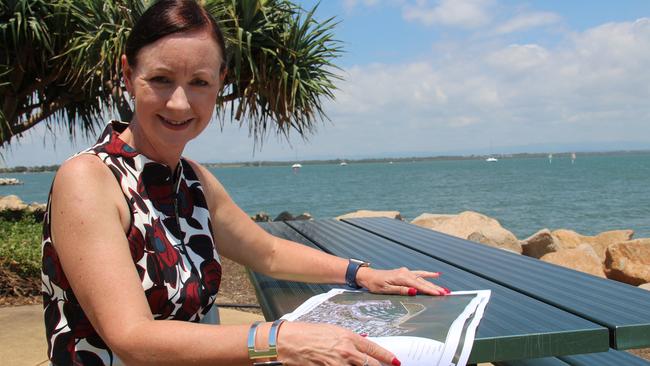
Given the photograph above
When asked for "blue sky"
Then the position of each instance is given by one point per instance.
(428, 77)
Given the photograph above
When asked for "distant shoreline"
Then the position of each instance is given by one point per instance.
(271, 163)
(418, 159)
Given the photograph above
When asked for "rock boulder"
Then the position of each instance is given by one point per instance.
(468, 224)
(570, 239)
(480, 238)
(582, 258)
(284, 216)
(629, 261)
(431, 220)
(261, 217)
(645, 286)
(12, 203)
(540, 244)
(304, 216)
(367, 213)
(287, 216)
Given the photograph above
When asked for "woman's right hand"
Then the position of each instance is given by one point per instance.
(303, 344)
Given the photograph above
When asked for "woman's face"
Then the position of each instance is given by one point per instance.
(175, 84)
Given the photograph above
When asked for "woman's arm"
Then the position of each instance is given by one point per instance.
(239, 238)
(88, 231)
(89, 220)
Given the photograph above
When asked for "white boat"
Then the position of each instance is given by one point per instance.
(296, 166)
(491, 160)
(343, 163)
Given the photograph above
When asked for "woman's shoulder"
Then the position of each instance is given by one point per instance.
(83, 171)
(82, 163)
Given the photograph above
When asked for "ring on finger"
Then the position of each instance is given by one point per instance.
(365, 362)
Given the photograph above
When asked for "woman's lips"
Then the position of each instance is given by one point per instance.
(175, 125)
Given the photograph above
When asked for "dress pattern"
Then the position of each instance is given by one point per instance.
(171, 243)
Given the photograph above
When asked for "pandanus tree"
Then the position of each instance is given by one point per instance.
(60, 64)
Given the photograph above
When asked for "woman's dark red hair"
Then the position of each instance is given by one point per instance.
(167, 17)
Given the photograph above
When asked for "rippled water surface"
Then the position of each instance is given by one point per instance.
(595, 194)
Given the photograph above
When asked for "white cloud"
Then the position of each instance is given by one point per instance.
(593, 87)
(458, 13)
(527, 21)
(517, 58)
(351, 4)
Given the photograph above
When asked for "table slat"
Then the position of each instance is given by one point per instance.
(515, 326)
(622, 308)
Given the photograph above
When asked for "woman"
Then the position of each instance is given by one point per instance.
(133, 229)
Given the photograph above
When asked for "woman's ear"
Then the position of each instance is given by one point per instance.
(222, 74)
(127, 73)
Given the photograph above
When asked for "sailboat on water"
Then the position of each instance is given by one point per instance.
(296, 167)
(491, 158)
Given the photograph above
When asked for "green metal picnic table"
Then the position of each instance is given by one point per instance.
(538, 312)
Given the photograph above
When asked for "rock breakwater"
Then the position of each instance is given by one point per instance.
(611, 254)
(9, 182)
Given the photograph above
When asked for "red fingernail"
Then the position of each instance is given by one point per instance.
(438, 273)
(395, 362)
(447, 290)
(364, 334)
(412, 291)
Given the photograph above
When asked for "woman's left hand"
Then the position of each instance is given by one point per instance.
(400, 281)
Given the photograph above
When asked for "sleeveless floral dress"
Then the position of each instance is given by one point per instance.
(171, 243)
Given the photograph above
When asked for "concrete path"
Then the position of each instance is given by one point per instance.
(22, 333)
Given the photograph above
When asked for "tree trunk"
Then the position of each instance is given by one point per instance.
(18, 127)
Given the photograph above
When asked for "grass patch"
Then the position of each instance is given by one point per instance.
(20, 246)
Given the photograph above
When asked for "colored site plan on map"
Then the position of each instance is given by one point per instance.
(420, 330)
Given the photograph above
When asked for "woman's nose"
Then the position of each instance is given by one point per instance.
(178, 100)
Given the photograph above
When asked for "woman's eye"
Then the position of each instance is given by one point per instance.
(199, 82)
(159, 79)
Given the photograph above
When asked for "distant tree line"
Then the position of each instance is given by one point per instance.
(30, 169)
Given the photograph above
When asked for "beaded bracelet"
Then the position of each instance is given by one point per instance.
(271, 352)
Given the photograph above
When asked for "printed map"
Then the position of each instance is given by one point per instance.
(389, 315)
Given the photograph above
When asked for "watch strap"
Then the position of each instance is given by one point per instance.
(351, 272)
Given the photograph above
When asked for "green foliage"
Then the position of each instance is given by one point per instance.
(20, 246)
(59, 63)
(280, 63)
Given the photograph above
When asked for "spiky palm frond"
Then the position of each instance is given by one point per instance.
(281, 63)
(59, 63)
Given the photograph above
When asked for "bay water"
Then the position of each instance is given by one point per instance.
(594, 194)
